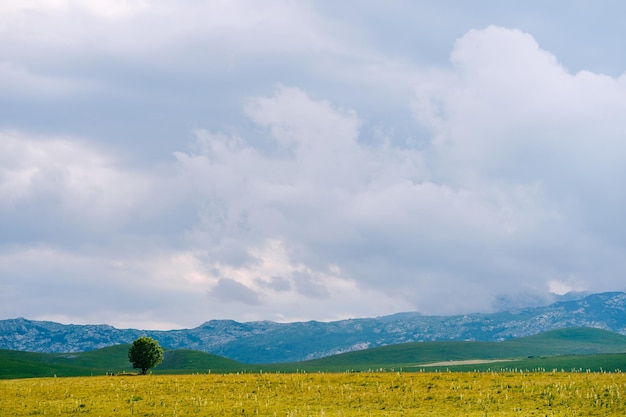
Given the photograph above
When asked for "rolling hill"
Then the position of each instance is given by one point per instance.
(571, 348)
(109, 360)
(569, 341)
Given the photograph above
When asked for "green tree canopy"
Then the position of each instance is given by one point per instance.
(145, 353)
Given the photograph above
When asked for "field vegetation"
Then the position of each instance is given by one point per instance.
(321, 394)
(570, 372)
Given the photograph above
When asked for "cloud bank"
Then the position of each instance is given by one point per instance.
(490, 182)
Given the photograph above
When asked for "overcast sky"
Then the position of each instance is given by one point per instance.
(165, 163)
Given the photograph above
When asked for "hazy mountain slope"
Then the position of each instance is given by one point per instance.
(267, 342)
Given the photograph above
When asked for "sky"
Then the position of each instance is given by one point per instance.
(166, 163)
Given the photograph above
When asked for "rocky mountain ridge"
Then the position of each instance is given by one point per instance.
(267, 342)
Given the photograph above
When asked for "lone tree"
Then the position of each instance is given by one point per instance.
(145, 353)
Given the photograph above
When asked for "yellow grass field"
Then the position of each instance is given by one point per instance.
(349, 394)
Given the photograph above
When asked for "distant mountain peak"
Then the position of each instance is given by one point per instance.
(266, 341)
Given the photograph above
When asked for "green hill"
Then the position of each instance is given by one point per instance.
(567, 349)
(191, 361)
(412, 356)
(112, 360)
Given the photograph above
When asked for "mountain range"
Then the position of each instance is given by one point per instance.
(271, 342)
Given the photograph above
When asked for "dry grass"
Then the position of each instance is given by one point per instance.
(349, 394)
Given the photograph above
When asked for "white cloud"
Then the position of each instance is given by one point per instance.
(514, 117)
(487, 210)
(370, 209)
(316, 199)
(515, 112)
(311, 127)
(565, 286)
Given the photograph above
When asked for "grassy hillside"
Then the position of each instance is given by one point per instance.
(114, 359)
(409, 356)
(567, 349)
(14, 364)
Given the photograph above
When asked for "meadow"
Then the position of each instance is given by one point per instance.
(321, 394)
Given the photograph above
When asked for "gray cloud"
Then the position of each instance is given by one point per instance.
(276, 283)
(308, 285)
(228, 290)
(305, 161)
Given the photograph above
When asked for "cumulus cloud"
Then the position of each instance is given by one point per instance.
(322, 177)
(512, 104)
(495, 206)
(366, 211)
(510, 117)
